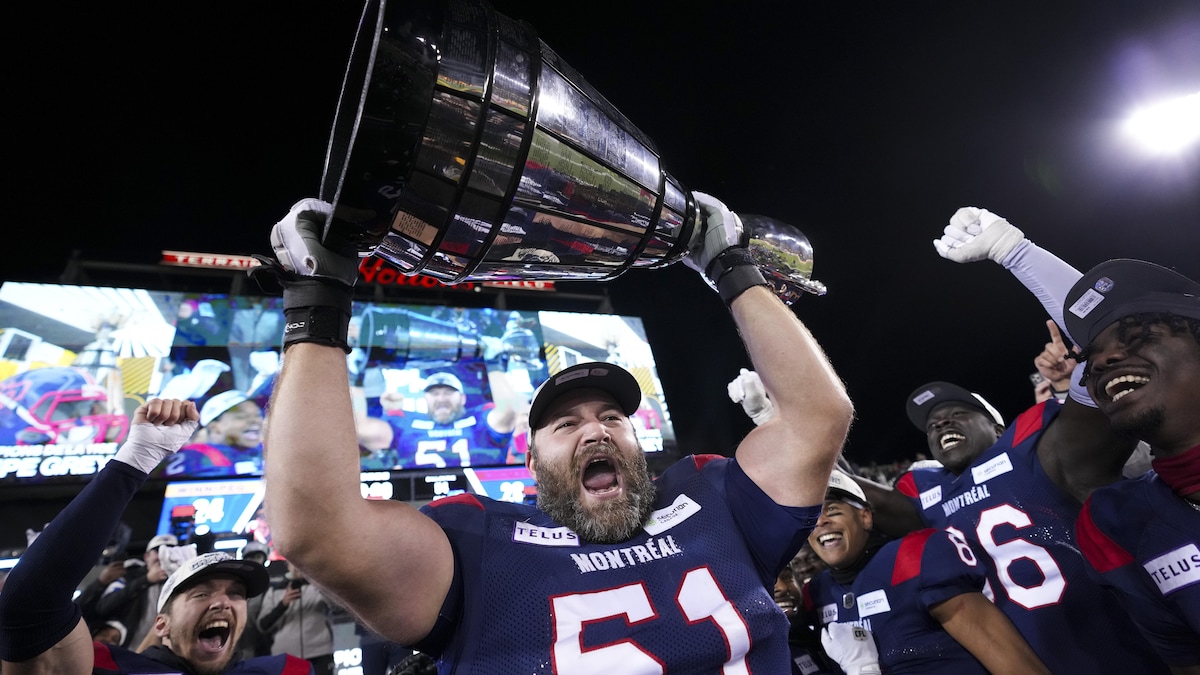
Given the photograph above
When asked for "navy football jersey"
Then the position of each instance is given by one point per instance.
(1142, 541)
(689, 593)
(110, 660)
(1023, 526)
(420, 442)
(892, 595)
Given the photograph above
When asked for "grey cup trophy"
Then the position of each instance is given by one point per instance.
(465, 149)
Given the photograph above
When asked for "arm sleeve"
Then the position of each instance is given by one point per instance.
(36, 610)
(1046, 275)
(1049, 278)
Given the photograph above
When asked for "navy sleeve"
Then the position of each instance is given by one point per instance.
(36, 610)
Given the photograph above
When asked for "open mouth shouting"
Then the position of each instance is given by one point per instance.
(830, 540)
(600, 477)
(213, 636)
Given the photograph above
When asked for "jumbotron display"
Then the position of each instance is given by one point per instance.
(433, 386)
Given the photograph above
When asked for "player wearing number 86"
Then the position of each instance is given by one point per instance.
(1015, 493)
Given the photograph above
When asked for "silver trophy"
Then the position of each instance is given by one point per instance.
(465, 149)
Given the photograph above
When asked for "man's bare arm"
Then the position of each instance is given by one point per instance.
(981, 628)
(895, 515)
(385, 560)
(790, 455)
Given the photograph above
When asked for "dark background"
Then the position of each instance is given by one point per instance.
(135, 129)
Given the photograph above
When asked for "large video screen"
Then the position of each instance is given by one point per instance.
(433, 387)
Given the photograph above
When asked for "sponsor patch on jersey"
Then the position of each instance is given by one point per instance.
(828, 613)
(931, 498)
(525, 533)
(664, 519)
(806, 664)
(875, 602)
(995, 466)
(1173, 570)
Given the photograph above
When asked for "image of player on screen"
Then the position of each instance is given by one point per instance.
(229, 442)
(449, 431)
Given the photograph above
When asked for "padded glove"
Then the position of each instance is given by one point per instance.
(317, 276)
(747, 389)
(852, 647)
(975, 234)
(721, 256)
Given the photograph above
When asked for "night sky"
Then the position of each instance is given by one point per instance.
(865, 124)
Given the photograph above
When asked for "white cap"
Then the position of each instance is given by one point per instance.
(842, 485)
(217, 405)
(251, 573)
(162, 540)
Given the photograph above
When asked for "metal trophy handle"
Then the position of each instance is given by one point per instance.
(465, 149)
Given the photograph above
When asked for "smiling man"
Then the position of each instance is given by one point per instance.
(1016, 500)
(1141, 538)
(202, 606)
(920, 596)
(612, 570)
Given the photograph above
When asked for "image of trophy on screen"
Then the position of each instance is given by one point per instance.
(465, 149)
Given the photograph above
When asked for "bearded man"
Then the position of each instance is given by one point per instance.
(611, 571)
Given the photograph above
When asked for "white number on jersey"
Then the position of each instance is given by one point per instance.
(699, 598)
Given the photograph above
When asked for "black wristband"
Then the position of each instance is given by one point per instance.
(317, 310)
(734, 271)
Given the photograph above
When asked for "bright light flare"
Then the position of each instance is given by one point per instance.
(1166, 127)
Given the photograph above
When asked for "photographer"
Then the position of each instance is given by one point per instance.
(295, 615)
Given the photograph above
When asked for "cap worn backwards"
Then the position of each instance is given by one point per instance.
(220, 404)
(929, 396)
(217, 563)
(614, 380)
(1115, 289)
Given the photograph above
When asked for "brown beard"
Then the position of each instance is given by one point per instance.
(610, 522)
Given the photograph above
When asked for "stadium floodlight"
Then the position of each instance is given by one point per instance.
(1166, 127)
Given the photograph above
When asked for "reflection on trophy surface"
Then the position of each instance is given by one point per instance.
(465, 149)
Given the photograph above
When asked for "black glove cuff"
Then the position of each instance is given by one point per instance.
(733, 271)
(316, 310)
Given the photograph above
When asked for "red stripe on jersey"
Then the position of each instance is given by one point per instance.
(809, 605)
(1028, 423)
(464, 498)
(1097, 548)
(294, 665)
(102, 658)
(907, 485)
(701, 460)
(908, 557)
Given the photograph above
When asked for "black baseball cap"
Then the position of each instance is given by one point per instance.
(1115, 289)
(928, 396)
(615, 380)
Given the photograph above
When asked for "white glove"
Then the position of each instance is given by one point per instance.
(722, 230)
(172, 558)
(852, 647)
(975, 234)
(296, 241)
(747, 389)
(148, 444)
